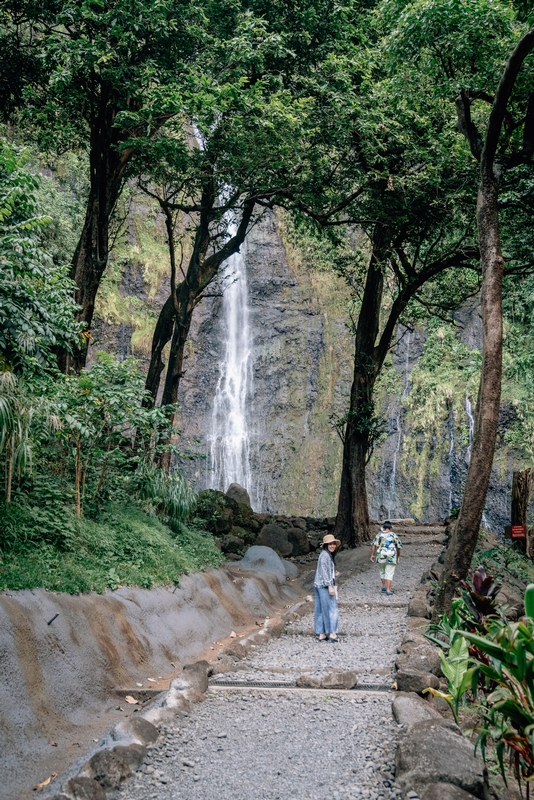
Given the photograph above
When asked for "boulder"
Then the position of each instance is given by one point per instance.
(82, 789)
(226, 664)
(131, 754)
(231, 544)
(418, 606)
(410, 708)
(299, 539)
(266, 560)
(238, 493)
(139, 729)
(309, 682)
(340, 680)
(275, 537)
(234, 650)
(439, 704)
(195, 676)
(508, 597)
(422, 658)
(410, 640)
(315, 540)
(434, 751)
(298, 522)
(414, 681)
(292, 571)
(107, 768)
(445, 791)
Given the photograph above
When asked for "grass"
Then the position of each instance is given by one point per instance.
(122, 547)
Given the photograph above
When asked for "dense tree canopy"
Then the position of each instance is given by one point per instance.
(366, 122)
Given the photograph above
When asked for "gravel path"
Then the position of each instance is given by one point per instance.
(287, 744)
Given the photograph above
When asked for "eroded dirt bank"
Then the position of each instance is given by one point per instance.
(63, 658)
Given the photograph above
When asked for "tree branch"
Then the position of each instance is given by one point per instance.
(466, 126)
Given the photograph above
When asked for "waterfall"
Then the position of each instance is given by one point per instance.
(229, 441)
(471, 433)
(452, 463)
(392, 494)
(471, 418)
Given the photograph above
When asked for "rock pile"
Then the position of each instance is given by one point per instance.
(236, 526)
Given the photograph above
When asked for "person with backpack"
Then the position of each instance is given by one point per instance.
(385, 551)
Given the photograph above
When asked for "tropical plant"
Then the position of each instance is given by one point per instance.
(170, 496)
(460, 676)
(480, 598)
(508, 665)
(103, 432)
(444, 630)
(16, 414)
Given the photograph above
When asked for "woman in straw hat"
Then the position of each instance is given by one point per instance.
(325, 611)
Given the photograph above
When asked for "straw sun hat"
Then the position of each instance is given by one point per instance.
(328, 539)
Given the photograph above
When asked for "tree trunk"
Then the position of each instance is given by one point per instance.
(78, 478)
(521, 490)
(107, 165)
(465, 534)
(466, 531)
(352, 521)
(162, 335)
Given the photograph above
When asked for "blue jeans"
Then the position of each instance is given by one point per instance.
(325, 611)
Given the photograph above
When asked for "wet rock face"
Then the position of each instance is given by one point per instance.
(301, 367)
(296, 361)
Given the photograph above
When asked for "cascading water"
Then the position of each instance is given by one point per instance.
(471, 430)
(471, 433)
(451, 456)
(392, 494)
(229, 440)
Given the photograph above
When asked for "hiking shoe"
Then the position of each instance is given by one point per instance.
(334, 639)
(388, 594)
(384, 589)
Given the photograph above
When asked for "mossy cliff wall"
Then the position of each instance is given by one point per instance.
(301, 364)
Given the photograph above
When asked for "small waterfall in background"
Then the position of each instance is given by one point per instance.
(392, 494)
(451, 456)
(471, 432)
(229, 441)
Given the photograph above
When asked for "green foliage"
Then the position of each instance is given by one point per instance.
(443, 631)
(170, 495)
(529, 601)
(505, 658)
(459, 675)
(123, 546)
(36, 305)
(210, 511)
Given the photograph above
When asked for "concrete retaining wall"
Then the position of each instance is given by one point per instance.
(58, 681)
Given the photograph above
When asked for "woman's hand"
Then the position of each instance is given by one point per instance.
(331, 591)
(337, 573)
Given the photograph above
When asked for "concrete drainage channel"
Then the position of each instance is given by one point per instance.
(293, 685)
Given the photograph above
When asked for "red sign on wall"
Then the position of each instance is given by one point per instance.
(518, 531)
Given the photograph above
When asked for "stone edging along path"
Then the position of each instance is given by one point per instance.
(248, 742)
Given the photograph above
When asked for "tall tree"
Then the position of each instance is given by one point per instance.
(466, 530)
(473, 53)
(107, 74)
(412, 201)
(257, 140)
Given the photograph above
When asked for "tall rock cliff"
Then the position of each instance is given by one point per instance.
(300, 374)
